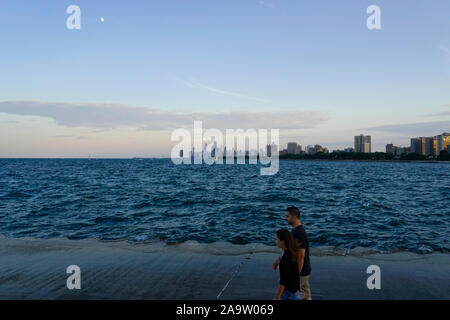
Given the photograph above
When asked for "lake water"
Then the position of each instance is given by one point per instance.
(386, 206)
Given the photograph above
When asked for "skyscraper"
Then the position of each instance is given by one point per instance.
(429, 144)
(416, 146)
(423, 145)
(269, 150)
(363, 144)
(443, 141)
(435, 147)
(292, 147)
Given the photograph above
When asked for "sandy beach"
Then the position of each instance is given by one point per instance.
(36, 269)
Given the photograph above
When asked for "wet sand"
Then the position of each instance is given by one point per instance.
(36, 269)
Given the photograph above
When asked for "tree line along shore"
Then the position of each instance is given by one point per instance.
(377, 156)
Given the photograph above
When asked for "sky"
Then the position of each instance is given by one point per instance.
(120, 85)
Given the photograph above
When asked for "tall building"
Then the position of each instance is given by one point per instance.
(271, 149)
(423, 146)
(274, 148)
(292, 147)
(442, 142)
(416, 146)
(390, 148)
(435, 147)
(213, 151)
(363, 144)
(429, 146)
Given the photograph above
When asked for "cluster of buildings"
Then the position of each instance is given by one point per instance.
(294, 148)
(215, 151)
(426, 146)
(397, 151)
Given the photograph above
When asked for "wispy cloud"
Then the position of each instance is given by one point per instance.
(103, 116)
(62, 136)
(65, 136)
(439, 114)
(197, 85)
(267, 4)
(415, 129)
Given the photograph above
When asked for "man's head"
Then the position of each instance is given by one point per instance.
(292, 215)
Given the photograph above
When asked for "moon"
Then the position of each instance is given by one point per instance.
(102, 19)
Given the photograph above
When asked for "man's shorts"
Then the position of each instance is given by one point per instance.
(304, 287)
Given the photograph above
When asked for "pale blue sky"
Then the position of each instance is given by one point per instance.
(231, 56)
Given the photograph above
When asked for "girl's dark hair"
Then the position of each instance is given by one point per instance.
(291, 246)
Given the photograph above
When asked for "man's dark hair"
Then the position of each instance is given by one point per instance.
(293, 211)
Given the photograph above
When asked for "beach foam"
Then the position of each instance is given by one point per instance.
(34, 245)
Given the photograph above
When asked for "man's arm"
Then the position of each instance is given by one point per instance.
(301, 259)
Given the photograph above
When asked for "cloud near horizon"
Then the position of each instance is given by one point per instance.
(415, 129)
(104, 116)
(439, 114)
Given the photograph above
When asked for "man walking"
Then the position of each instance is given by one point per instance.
(292, 217)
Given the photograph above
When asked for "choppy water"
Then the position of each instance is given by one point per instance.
(386, 206)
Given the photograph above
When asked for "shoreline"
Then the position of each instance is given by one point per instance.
(36, 269)
(366, 160)
(280, 158)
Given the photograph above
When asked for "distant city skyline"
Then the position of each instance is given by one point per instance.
(427, 146)
(137, 70)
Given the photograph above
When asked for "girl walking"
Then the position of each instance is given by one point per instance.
(288, 288)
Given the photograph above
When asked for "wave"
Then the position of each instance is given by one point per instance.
(144, 245)
(227, 248)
